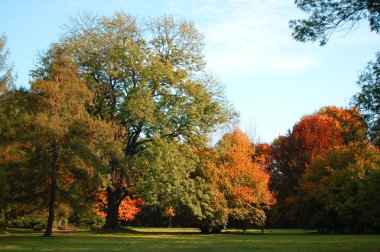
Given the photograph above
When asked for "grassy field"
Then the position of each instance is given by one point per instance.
(163, 239)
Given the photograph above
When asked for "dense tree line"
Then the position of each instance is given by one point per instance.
(337, 187)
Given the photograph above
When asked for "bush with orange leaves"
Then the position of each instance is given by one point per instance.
(127, 210)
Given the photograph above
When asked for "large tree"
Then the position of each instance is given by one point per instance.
(330, 16)
(57, 150)
(309, 138)
(149, 79)
(293, 153)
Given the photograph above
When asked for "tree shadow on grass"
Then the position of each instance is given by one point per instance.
(171, 231)
(126, 230)
(272, 232)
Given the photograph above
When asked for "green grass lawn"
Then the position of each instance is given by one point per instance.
(163, 239)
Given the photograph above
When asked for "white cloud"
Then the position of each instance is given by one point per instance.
(247, 37)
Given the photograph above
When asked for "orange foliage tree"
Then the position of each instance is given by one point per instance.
(263, 155)
(314, 134)
(127, 210)
(242, 182)
(351, 122)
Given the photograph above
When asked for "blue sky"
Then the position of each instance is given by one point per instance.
(270, 79)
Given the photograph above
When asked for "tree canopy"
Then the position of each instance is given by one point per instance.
(53, 139)
(149, 79)
(338, 192)
(242, 182)
(312, 136)
(330, 16)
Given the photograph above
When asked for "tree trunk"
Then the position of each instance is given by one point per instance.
(2, 220)
(114, 198)
(170, 222)
(49, 226)
(53, 188)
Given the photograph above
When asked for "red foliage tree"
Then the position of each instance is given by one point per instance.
(312, 136)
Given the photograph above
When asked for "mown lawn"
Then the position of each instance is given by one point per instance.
(162, 239)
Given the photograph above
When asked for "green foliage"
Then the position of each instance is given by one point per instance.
(147, 78)
(164, 170)
(31, 220)
(4, 194)
(368, 99)
(170, 175)
(50, 137)
(6, 83)
(329, 16)
(86, 220)
(11, 105)
(338, 192)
